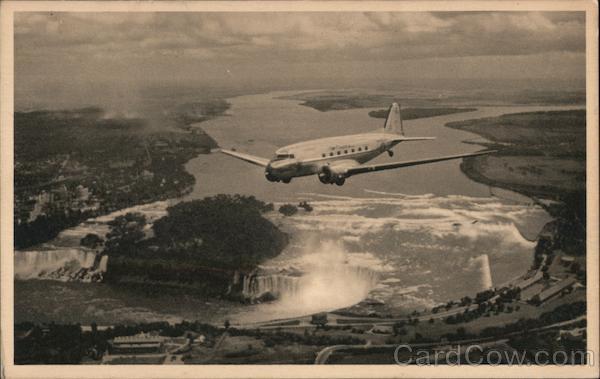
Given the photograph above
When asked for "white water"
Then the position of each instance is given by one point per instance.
(329, 278)
(34, 264)
(407, 252)
(64, 258)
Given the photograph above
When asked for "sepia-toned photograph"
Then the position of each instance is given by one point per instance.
(185, 184)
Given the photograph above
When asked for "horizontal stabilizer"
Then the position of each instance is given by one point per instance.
(263, 162)
(388, 166)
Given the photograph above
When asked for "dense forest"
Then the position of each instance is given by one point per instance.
(199, 245)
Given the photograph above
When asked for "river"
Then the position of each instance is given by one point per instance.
(408, 238)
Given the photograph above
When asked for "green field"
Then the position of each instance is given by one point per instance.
(540, 154)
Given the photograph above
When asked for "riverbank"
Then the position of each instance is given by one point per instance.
(541, 155)
(423, 97)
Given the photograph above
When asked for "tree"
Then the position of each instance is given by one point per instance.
(319, 319)
(304, 204)
(288, 209)
(232, 231)
(466, 300)
(535, 300)
(125, 232)
(574, 267)
(91, 241)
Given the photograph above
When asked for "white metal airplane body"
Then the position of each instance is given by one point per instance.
(334, 159)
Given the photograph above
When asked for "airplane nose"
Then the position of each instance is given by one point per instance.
(269, 173)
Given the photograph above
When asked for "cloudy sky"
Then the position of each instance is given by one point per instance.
(227, 48)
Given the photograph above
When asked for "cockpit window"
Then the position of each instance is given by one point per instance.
(280, 157)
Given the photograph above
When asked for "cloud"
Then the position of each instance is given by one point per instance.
(281, 35)
(77, 53)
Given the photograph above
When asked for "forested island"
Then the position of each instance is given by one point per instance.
(204, 246)
(71, 165)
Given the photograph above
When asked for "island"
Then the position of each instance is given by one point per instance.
(205, 247)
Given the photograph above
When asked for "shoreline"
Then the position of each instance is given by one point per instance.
(182, 197)
(559, 202)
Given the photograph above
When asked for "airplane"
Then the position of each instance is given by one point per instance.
(335, 159)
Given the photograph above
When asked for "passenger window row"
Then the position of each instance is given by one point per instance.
(339, 152)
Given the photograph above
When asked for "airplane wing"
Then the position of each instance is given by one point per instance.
(263, 162)
(402, 138)
(387, 166)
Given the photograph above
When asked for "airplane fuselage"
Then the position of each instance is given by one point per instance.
(309, 157)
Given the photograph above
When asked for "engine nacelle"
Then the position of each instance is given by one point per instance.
(329, 175)
(270, 177)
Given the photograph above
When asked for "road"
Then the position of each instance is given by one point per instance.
(333, 318)
(324, 354)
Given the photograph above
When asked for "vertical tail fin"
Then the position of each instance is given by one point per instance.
(393, 123)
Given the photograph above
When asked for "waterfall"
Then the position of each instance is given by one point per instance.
(64, 259)
(276, 284)
(64, 265)
(486, 272)
(342, 282)
(102, 266)
(482, 264)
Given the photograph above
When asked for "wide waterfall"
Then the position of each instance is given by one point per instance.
(64, 265)
(65, 259)
(322, 276)
(278, 285)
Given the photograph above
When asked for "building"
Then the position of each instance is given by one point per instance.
(577, 334)
(566, 260)
(139, 344)
(557, 288)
